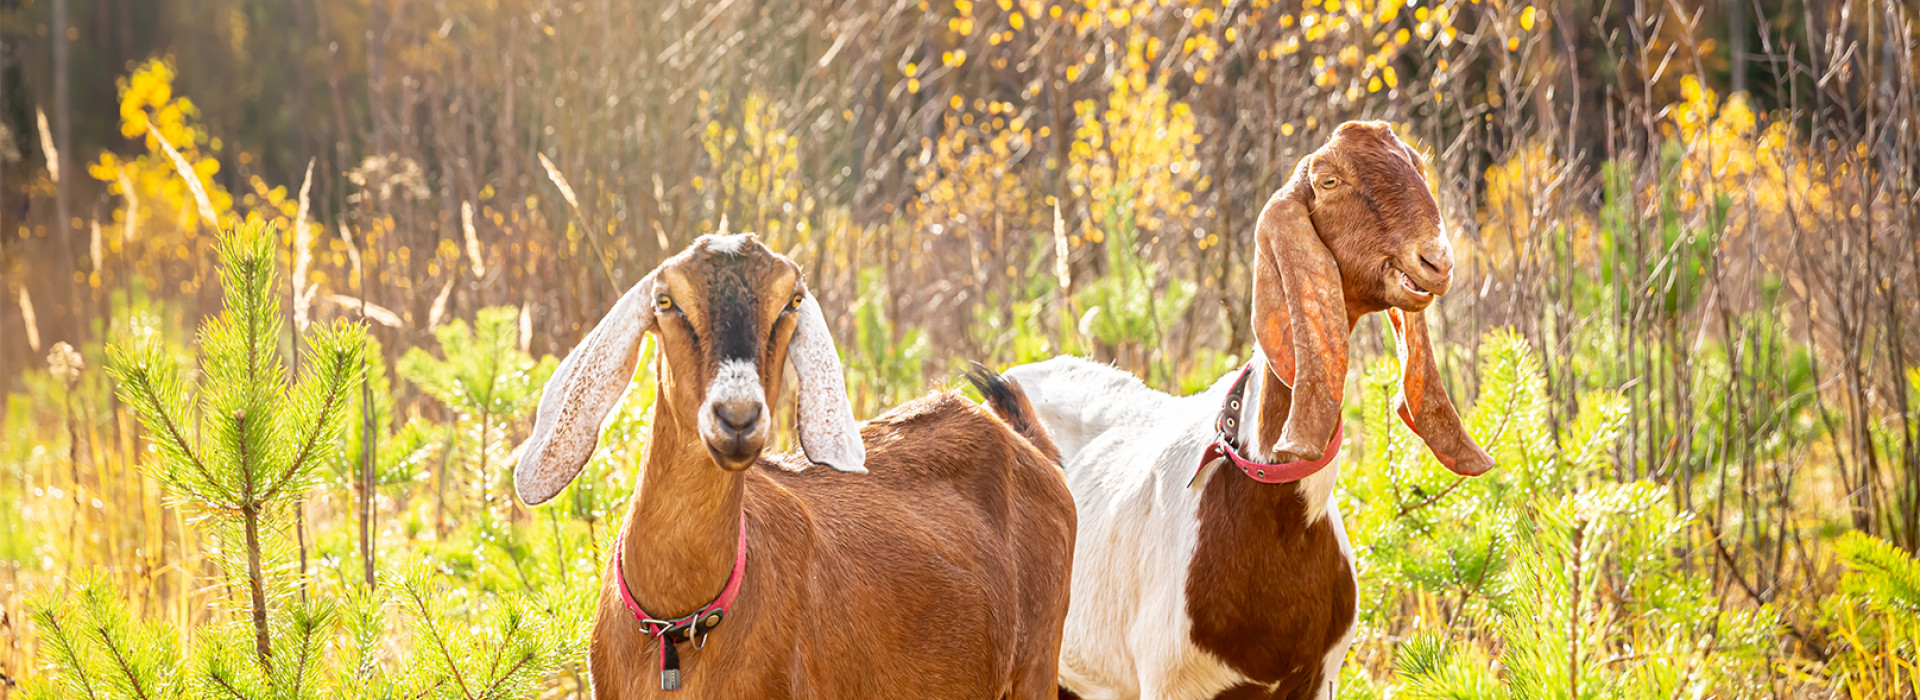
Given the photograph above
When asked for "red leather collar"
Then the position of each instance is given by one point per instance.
(689, 627)
(1226, 435)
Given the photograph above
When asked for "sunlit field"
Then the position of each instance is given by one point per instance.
(284, 282)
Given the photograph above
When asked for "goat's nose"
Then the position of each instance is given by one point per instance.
(737, 416)
(1438, 258)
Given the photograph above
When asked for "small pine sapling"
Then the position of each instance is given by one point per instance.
(240, 445)
(99, 650)
(1876, 621)
(487, 383)
(1572, 571)
(470, 648)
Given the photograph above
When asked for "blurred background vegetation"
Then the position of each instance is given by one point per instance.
(1685, 309)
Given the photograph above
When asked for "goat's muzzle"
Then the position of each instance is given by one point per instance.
(737, 433)
(733, 421)
(1422, 274)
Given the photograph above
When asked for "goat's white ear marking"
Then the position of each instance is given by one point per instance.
(584, 388)
(828, 433)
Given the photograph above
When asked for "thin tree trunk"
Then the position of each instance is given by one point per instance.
(73, 464)
(256, 584)
(368, 434)
(3, 197)
(1737, 43)
(440, 486)
(480, 490)
(62, 140)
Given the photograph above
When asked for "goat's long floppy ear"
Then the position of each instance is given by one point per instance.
(1300, 316)
(828, 433)
(582, 391)
(1424, 404)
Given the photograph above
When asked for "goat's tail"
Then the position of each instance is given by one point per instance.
(1010, 403)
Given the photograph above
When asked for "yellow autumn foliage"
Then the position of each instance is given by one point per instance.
(1136, 154)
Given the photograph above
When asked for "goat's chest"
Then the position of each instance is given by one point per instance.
(1269, 593)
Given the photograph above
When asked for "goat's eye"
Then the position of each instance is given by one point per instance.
(663, 303)
(1329, 182)
(794, 305)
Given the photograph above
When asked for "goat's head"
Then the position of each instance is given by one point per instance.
(732, 316)
(1354, 231)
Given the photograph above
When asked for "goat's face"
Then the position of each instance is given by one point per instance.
(1374, 213)
(732, 317)
(726, 309)
(1354, 231)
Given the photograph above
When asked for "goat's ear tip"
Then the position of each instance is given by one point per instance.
(529, 484)
(852, 460)
(532, 494)
(1475, 465)
(1295, 451)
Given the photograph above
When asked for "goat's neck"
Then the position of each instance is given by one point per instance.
(1276, 401)
(1276, 398)
(684, 523)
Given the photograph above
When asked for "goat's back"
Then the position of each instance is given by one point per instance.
(944, 570)
(1079, 400)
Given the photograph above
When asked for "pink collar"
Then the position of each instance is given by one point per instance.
(688, 628)
(1226, 435)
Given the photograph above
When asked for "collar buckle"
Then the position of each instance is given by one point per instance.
(693, 627)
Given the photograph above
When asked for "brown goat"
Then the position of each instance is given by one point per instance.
(1235, 587)
(937, 568)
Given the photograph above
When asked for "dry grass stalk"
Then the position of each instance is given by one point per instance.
(473, 240)
(186, 173)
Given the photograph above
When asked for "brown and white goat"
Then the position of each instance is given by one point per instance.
(931, 561)
(1231, 587)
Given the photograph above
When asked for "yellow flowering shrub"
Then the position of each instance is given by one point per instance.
(1517, 213)
(755, 166)
(1135, 156)
(1724, 169)
(156, 225)
(158, 222)
(1761, 172)
(969, 182)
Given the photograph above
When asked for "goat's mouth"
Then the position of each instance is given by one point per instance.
(1407, 283)
(1410, 293)
(734, 454)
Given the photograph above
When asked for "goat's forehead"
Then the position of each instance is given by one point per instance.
(1383, 165)
(724, 283)
(729, 244)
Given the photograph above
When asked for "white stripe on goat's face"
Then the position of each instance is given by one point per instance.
(733, 420)
(730, 245)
